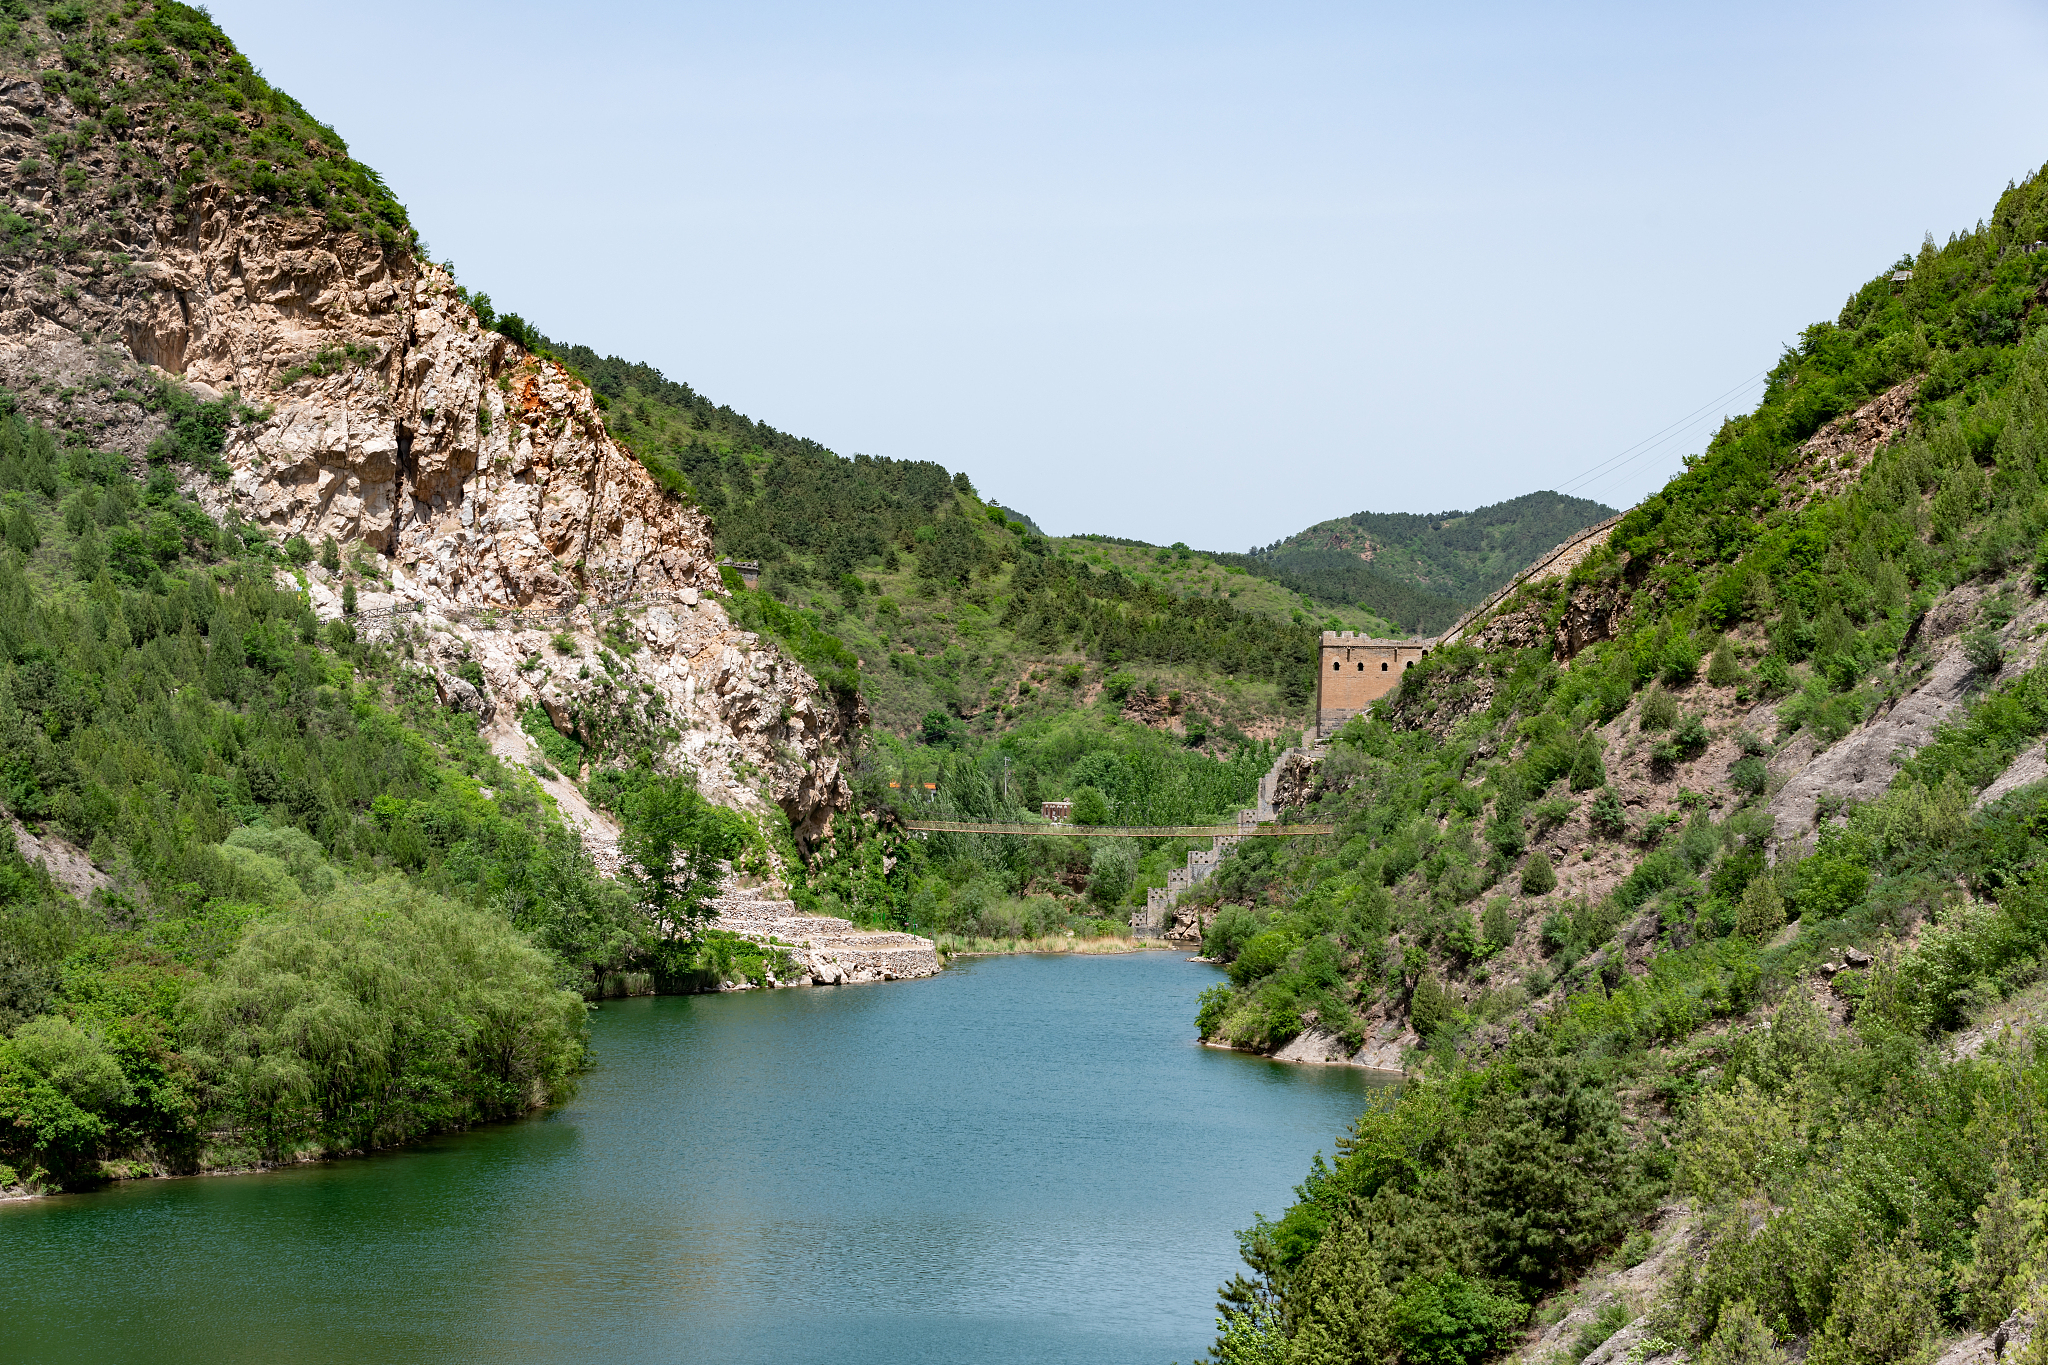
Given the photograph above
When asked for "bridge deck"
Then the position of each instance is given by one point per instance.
(1126, 831)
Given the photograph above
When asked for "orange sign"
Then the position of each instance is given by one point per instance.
(894, 784)
(931, 786)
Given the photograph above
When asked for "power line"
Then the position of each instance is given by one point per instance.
(1622, 472)
(1654, 440)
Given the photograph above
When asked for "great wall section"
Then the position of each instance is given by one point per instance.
(1353, 672)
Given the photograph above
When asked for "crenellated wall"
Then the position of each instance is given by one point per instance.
(1357, 670)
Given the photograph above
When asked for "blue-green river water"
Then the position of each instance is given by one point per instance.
(1024, 1159)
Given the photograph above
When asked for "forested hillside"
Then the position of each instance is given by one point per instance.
(1621, 873)
(1462, 556)
(942, 602)
(1417, 574)
(1330, 580)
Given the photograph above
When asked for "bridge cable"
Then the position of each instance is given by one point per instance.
(1655, 439)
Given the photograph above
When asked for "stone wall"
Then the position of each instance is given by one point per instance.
(1357, 670)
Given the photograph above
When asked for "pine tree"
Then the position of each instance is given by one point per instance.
(1722, 669)
(1742, 1338)
(1763, 910)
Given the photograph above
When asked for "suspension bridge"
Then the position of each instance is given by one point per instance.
(1272, 831)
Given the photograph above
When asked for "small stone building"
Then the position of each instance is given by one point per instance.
(1059, 812)
(1358, 670)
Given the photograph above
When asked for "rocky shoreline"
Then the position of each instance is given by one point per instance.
(830, 951)
(1313, 1047)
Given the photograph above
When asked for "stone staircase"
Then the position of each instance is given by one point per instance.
(831, 951)
(1157, 917)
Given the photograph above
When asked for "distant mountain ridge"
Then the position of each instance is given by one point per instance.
(1457, 555)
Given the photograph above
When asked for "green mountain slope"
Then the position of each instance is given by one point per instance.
(1660, 938)
(1461, 556)
(1335, 579)
(948, 605)
(171, 105)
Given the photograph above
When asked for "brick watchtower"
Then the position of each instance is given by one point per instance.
(1356, 671)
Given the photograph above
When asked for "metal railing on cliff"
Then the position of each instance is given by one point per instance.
(380, 619)
(1273, 831)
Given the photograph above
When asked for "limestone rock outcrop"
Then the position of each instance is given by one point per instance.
(466, 482)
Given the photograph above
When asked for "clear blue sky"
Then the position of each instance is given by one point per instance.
(1186, 271)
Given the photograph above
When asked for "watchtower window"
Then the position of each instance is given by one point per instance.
(1383, 668)
(1361, 665)
(1336, 667)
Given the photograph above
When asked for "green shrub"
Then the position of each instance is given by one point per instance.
(1749, 776)
(1607, 816)
(1742, 1337)
(1763, 910)
(1498, 924)
(559, 749)
(1662, 823)
(379, 1014)
(21, 530)
(1215, 1005)
(1460, 938)
(564, 643)
(1722, 669)
(1887, 1306)
(1539, 878)
(1612, 1317)
(298, 552)
(1450, 1321)
(1090, 807)
(1232, 928)
(1679, 662)
(1588, 769)
(1431, 1007)
(1691, 738)
(1262, 955)
(1112, 868)
(1984, 651)
(517, 330)
(1775, 674)
(1832, 881)
(60, 1084)
(1658, 710)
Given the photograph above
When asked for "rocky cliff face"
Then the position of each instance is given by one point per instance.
(460, 476)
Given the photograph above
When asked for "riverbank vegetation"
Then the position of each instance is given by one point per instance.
(318, 914)
(1659, 1012)
(1106, 938)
